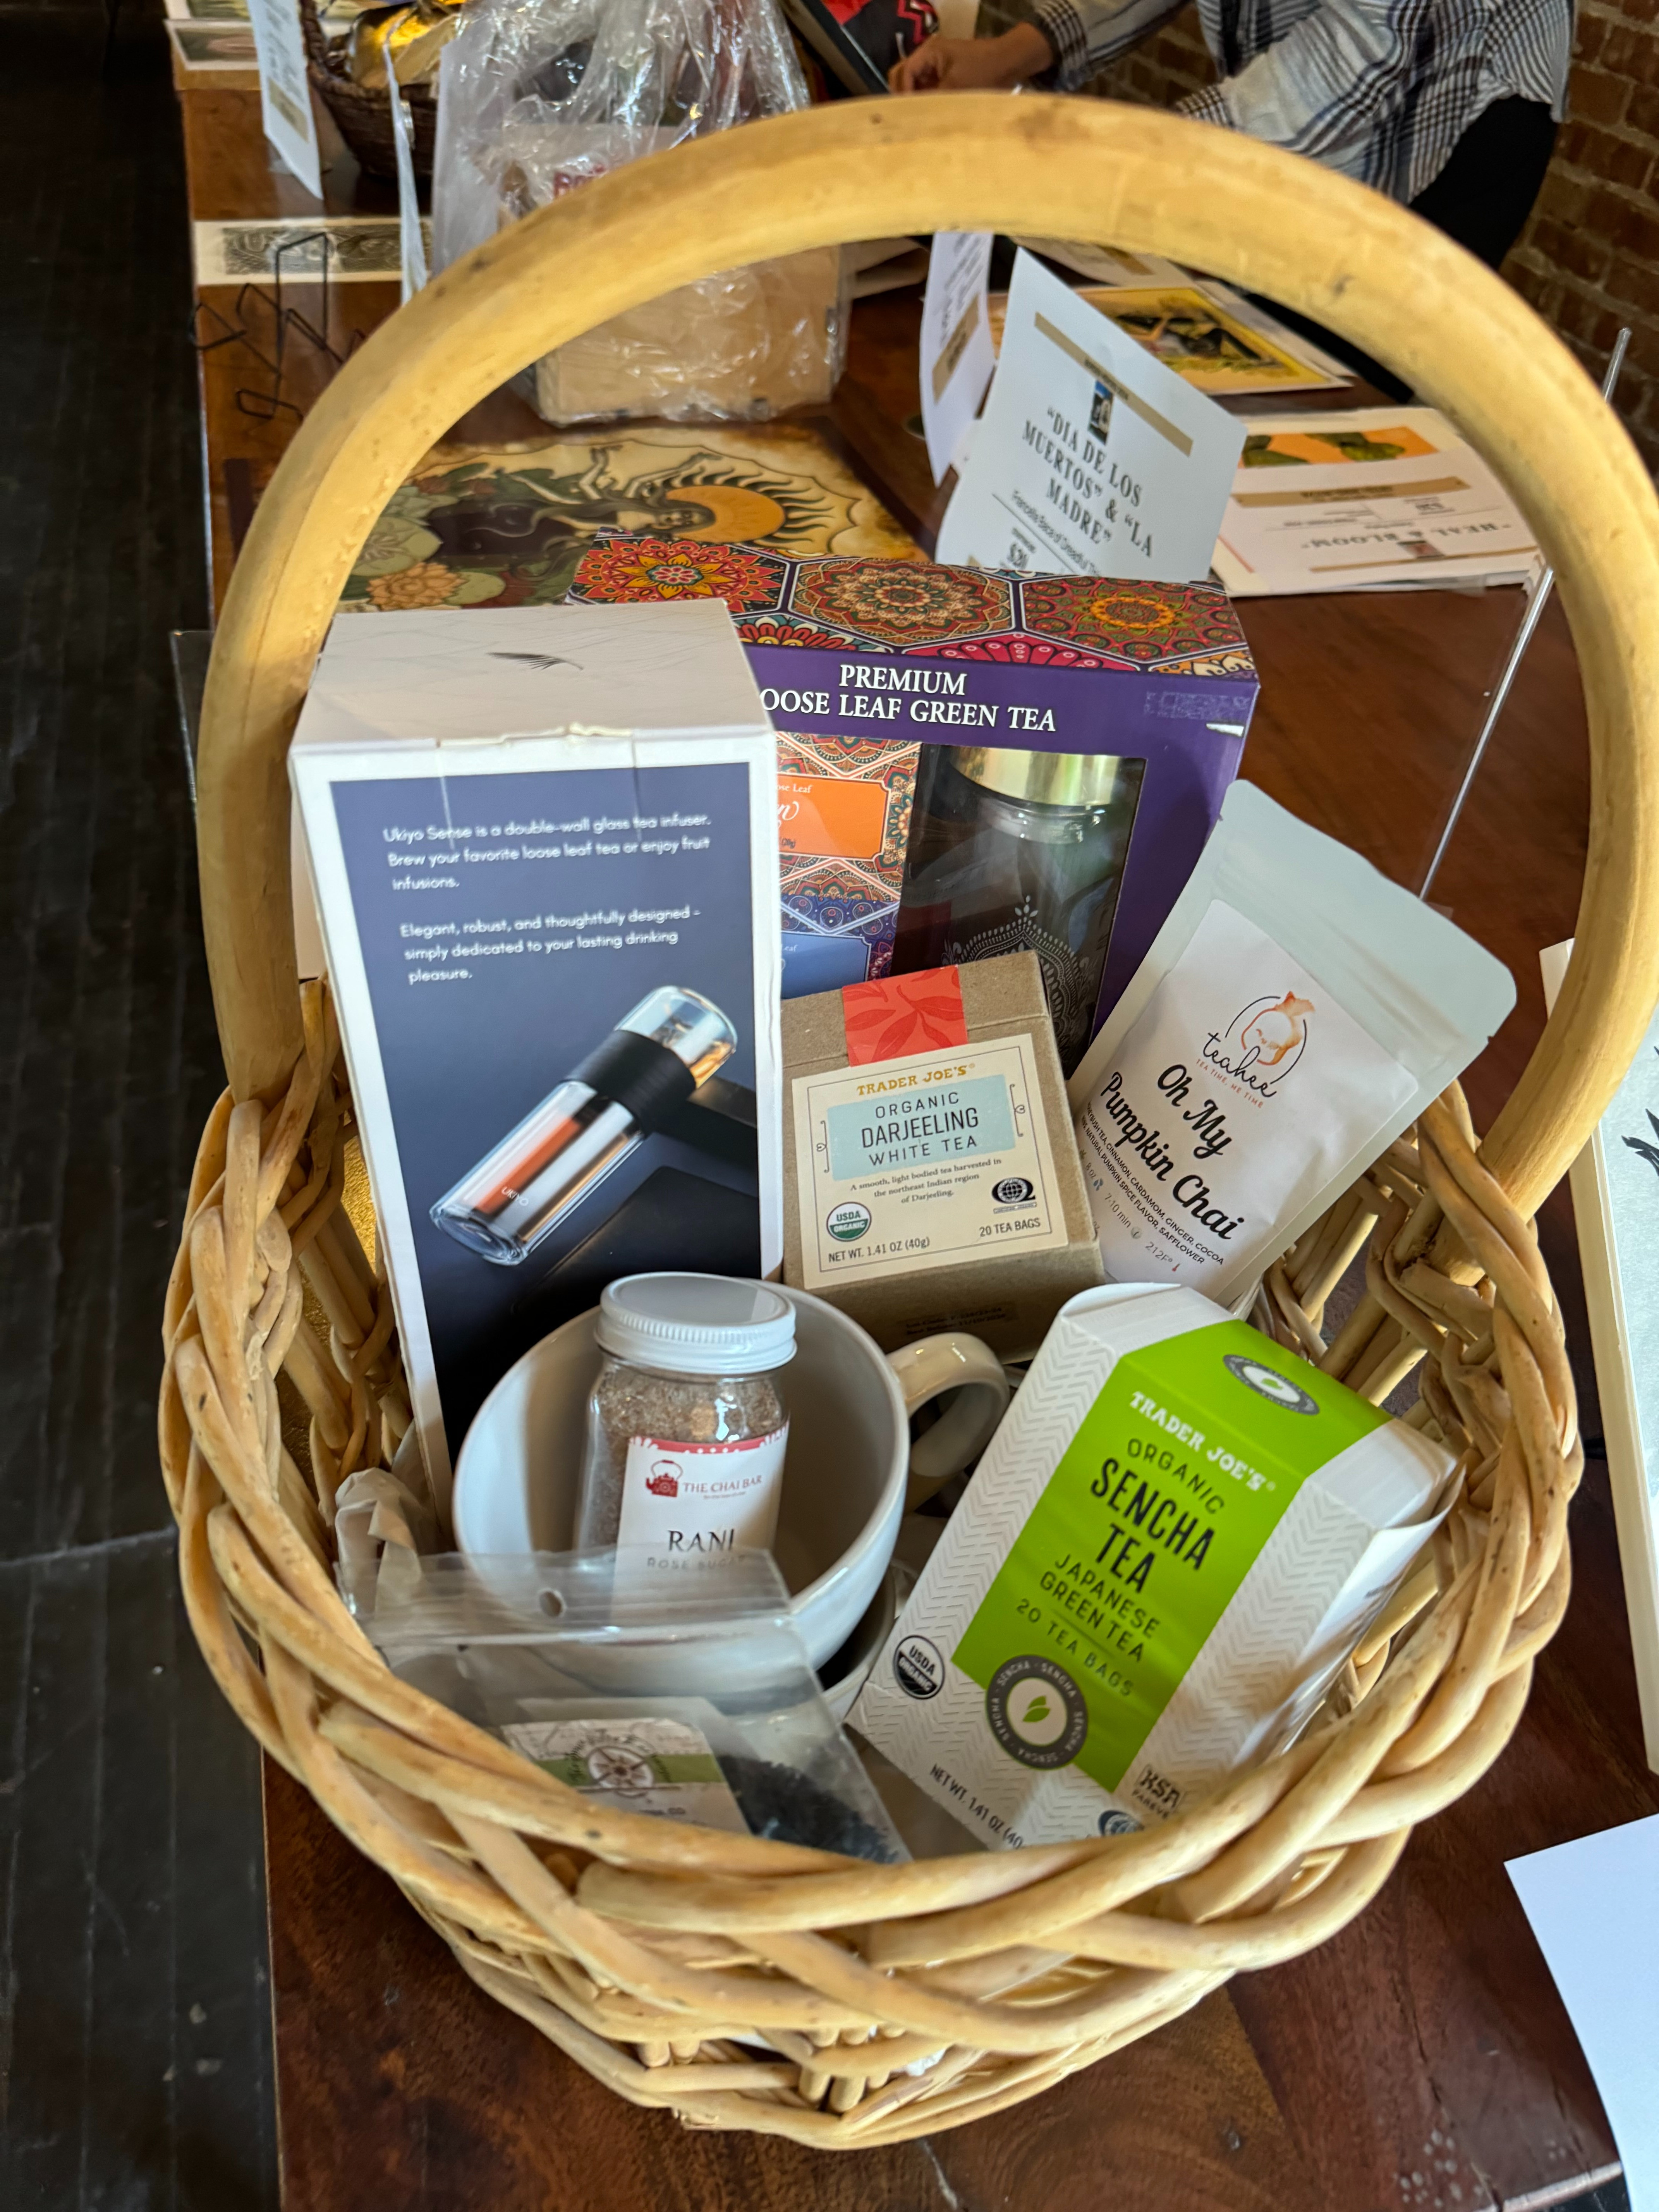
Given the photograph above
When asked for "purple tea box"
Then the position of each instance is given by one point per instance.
(859, 661)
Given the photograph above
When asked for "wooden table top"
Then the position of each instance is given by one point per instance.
(1423, 2058)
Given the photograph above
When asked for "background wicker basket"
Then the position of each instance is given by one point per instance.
(364, 117)
(753, 1985)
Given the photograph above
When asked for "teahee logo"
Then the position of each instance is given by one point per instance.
(1267, 1382)
(1262, 1043)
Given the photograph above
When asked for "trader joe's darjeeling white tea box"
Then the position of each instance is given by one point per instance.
(1174, 1540)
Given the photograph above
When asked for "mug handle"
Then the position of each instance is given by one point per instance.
(969, 1373)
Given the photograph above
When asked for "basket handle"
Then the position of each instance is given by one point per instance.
(316, 39)
(1148, 181)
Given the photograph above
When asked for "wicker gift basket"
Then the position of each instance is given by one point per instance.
(752, 1984)
(364, 115)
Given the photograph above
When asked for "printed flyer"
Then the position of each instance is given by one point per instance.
(1374, 497)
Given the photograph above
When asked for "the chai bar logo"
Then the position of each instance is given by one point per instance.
(664, 1479)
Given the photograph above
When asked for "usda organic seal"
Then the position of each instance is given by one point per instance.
(1037, 1711)
(847, 1223)
(919, 1667)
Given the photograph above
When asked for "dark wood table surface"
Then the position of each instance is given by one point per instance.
(1423, 2059)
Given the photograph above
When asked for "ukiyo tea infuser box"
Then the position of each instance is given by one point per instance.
(862, 662)
(543, 841)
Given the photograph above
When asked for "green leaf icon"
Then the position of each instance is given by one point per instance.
(1035, 1712)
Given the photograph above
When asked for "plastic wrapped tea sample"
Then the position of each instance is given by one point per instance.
(537, 97)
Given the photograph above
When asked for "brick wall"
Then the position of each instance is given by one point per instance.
(1589, 258)
(1172, 61)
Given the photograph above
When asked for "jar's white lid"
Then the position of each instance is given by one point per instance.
(698, 1324)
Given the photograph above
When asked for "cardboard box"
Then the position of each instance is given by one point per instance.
(859, 661)
(523, 825)
(931, 1178)
(1172, 1544)
(742, 346)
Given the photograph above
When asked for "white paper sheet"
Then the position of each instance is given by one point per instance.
(285, 88)
(337, 16)
(957, 357)
(1411, 503)
(1615, 1203)
(1593, 1905)
(1103, 265)
(1091, 458)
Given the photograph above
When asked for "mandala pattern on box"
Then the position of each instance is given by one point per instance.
(1017, 650)
(838, 899)
(748, 580)
(1236, 663)
(778, 630)
(901, 603)
(1135, 622)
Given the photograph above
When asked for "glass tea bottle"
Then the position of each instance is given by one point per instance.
(633, 1082)
(1014, 852)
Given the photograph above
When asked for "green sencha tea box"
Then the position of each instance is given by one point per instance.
(1172, 1544)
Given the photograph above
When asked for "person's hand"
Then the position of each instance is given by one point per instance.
(940, 65)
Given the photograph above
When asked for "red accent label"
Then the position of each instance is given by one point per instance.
(901, 1014)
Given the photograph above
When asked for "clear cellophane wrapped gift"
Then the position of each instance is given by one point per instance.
(538, 97)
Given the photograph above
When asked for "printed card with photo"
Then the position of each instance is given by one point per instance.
(1091, 458)
(363, 248)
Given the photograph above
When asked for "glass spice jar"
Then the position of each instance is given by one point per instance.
(686, 1428)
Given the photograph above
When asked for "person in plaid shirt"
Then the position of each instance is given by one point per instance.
(1450, 106)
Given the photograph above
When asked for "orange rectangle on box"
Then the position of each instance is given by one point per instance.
(899, 1014)
(835, 820)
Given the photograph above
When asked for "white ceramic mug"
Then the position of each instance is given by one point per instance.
(967, 1376)
(845, 1480)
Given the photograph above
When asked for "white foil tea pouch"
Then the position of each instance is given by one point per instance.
(1294, 1014)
